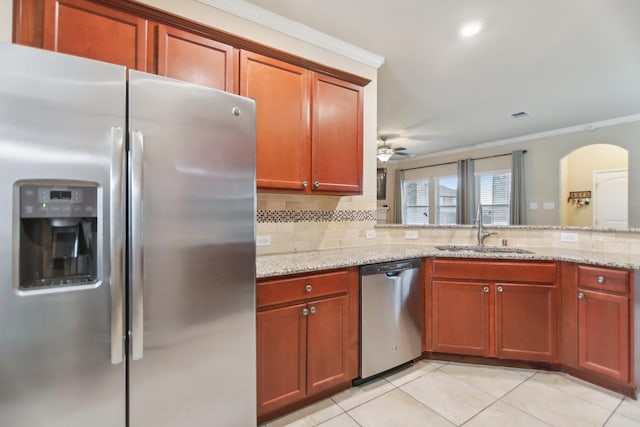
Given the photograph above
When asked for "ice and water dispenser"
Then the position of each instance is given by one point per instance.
(58, 235)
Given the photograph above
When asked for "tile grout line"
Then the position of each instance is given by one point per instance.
(613, 412)
(499, 399)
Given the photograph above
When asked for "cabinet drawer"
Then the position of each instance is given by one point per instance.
(506, 271)
(603, 279)
(283, 291)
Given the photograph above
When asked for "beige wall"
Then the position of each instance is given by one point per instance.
(542, 164)
(6, 17)
(580, 166)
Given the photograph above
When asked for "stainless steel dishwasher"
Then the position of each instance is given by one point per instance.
(390, 315)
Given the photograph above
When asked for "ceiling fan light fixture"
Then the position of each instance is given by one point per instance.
(384, 154)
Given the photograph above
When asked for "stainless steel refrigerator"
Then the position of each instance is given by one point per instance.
(127, 247)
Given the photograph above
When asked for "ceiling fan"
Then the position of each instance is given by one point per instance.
(386, 152)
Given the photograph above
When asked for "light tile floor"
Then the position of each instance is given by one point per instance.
(432, 393)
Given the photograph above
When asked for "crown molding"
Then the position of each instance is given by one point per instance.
(555, 132)
(295, 29)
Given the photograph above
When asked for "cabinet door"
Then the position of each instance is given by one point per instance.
(526, 322)
(281, 92)
(186, 56)
(603, 333)
(281, 356)
(461, 317)
(84, 28)
(336, 159)
(328, 344)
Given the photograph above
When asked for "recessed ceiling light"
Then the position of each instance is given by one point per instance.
(470, 29)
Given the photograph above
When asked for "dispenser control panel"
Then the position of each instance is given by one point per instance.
(47, 201)
(58, 235)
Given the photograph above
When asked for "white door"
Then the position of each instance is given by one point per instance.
(610, 198)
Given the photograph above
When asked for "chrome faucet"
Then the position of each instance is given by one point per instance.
(481, 233)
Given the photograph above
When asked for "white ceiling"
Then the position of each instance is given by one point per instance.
(567, 62)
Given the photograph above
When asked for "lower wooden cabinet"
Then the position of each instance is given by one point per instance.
(281, 356)
(525, 321)
(603, 334)
(476, 311)
(307, 338)
(603, 322)
(460, 317)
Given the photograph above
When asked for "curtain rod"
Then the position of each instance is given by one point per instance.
(453, 163)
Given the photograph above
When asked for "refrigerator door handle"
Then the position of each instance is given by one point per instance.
(136, 267)
(116, 249)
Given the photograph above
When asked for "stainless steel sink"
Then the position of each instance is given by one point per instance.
(483, 249)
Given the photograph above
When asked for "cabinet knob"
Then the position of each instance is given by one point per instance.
(305, 184)
(600, 279)
(500, 289)
(308, 288)
(313, 310)
(305, 312)
(485, 289)
(316, 184)
(580, 295)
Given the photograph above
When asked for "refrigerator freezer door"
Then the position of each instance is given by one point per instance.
(192, 295)
(62, 119)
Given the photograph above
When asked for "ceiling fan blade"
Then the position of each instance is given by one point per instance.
(401, 154)
(399, 149)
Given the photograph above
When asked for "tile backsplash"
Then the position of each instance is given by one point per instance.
(304, 223)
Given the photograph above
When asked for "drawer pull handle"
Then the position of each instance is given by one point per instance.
(308, 288)
(316, 184)
(305, 312)
(600, 279)
(485, 289)
(580, 295)
(313, 310)
(500, 289)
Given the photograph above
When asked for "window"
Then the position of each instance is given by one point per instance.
(494, 193)
(415, 202)
(447, 195)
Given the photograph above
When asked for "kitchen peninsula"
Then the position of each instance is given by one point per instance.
(561, 298)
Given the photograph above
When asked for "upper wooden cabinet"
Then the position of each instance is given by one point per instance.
(83, 28)
(186, 56)
(309, 116)
(281, 91)
(309, 127)
(336, 156)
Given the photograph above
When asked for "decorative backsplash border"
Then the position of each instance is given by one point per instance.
(268, 216)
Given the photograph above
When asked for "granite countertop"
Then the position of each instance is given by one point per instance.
(301, 262)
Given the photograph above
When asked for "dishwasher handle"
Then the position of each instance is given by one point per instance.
(396, 273)
(390, 269)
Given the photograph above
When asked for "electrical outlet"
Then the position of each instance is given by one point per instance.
(263, 240)
(411, 234)
(548, 205)
(371, 234)
(569, 237)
